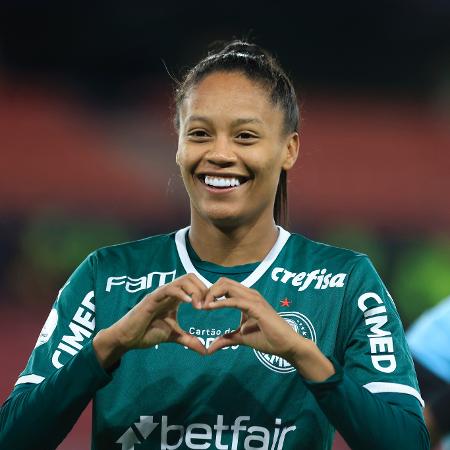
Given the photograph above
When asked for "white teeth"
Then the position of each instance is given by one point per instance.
(221, 182)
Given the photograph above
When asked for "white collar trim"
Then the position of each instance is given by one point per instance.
(180, 241)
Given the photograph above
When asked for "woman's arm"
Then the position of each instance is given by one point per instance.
(368, 421)
(41, 415)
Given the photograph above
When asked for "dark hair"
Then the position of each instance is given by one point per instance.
(258, 65)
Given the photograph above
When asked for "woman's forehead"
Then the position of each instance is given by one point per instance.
(229, 93)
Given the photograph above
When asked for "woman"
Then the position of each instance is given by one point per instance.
(251, 337)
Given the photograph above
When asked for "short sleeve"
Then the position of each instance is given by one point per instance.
(69, 326)
(374, 351)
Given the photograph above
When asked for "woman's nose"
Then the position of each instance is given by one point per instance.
(221, 152)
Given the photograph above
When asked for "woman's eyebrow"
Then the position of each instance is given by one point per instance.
(246, 120)
(195, 118)
(234, 123)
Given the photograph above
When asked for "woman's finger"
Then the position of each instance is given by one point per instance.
(193, 290)
(181, 337)
(202, 288)
(176, 293)
(165, 293)
(227, 340)
(240, 303)
(224, 289)
(191, 342)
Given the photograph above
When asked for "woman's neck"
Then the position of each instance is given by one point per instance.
(232, 246)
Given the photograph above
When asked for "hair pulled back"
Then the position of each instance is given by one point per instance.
(258, 65)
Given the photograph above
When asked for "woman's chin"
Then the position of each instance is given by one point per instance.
(225, 222)
(222, 218)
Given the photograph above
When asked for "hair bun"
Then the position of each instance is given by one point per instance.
(243, 47)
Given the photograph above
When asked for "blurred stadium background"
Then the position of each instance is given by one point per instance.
(87, 143)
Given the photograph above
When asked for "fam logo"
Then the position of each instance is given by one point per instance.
(153, 279)
(302, 325)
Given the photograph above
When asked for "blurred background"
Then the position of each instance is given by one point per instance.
(88, 148)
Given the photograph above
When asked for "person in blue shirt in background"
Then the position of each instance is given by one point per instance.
(429, 340)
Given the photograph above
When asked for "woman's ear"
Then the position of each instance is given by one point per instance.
(293, 146)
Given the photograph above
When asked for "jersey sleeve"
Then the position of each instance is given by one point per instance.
(374, 350)
(69, 326)
(373, 398)
(62, 374)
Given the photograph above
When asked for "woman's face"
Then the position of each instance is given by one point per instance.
(231, 149)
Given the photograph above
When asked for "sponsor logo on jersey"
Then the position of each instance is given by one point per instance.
(207, 335)
(380, 340)
(51, 322)
(81, 326)
(48, 328)
(130, 284)
(207, 435)
(316, 279)
(303, 326)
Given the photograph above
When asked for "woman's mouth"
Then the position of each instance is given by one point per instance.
(222, 183)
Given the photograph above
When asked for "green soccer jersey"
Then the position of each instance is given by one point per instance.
(169, 397)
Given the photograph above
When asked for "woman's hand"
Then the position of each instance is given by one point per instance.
(263, 329)
(152, 321)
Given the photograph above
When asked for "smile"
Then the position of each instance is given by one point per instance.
(222, 182)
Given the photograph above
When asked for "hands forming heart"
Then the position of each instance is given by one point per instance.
(154, 320)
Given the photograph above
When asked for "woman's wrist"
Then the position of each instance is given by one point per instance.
(310, 362)
(107, 348)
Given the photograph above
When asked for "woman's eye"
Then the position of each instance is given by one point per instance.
(198, 134)
(246, 136)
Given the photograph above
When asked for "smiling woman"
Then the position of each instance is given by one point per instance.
(258, 71)
(250, 337)
(230, 131)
